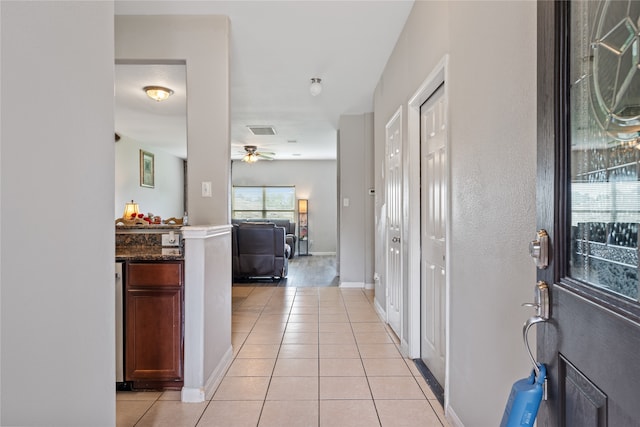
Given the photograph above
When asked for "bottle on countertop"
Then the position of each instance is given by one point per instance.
(185, 219)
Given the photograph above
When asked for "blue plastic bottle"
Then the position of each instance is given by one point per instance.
(524, 400)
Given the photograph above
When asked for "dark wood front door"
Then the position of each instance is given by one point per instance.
(589, 202)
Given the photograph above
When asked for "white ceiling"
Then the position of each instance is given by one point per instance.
(276, 48)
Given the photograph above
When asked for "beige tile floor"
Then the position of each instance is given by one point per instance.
(302, 357)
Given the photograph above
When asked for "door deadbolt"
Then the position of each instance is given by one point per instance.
(539, 249)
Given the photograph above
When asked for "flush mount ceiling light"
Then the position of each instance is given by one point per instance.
(316, 86)
(157, 93)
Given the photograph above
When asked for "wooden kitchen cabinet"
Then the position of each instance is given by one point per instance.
(154, 306)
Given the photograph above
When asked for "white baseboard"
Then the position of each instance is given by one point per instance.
(218, 373)
(322, 253)
(369, 286)
(352, 285)
(452, 417)
(195, 395)
(192, 395)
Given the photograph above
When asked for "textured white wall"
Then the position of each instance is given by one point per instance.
(314, 180)
(166, 198)
(493, 151)
(492, 81)
(58, 327)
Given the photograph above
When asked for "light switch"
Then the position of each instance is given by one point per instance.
(345, 202)
(206, 189)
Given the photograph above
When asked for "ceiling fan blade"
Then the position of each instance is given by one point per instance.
(264, 156)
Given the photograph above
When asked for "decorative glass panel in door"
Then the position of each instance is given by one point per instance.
(605, 155)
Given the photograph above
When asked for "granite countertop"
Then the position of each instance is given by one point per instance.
(147, 256)
(135, 243)
(146, 228)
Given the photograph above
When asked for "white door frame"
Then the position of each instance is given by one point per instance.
(438, 76)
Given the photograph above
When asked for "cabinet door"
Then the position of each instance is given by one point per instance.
(154, 334)
(153, 321)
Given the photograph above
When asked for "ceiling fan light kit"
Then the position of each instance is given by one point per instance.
(252, 155)
(250, 158)
(158, 93)
(316, 86)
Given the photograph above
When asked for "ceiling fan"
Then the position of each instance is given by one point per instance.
(252, 154)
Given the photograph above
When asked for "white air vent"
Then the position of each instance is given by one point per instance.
(262, 130)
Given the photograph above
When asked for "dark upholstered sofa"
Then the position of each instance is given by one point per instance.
(259, 250)
(289, 227)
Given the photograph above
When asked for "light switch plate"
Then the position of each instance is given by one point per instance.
(206, 189)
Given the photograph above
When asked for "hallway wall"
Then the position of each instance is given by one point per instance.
(492, 95)
(354, 201)
(58, 332)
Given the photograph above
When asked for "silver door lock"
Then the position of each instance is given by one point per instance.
(539, 249)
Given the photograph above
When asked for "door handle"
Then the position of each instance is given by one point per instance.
(541, 304)
(396, 240)
(539, 249)
(540, 301)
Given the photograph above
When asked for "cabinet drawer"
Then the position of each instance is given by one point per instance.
(154, 274)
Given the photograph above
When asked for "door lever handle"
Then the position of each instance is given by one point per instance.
(531, 304)
(541, 301)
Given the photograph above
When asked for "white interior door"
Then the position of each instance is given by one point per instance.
(433, 159)
(394, 222)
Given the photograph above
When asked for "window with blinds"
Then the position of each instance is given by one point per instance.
(263, 202)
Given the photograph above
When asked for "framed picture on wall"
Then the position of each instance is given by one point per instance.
(147, 172)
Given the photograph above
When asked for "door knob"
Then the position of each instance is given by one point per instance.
(539, 249)
(395, 240)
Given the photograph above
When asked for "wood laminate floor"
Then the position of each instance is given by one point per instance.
(304, 271)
